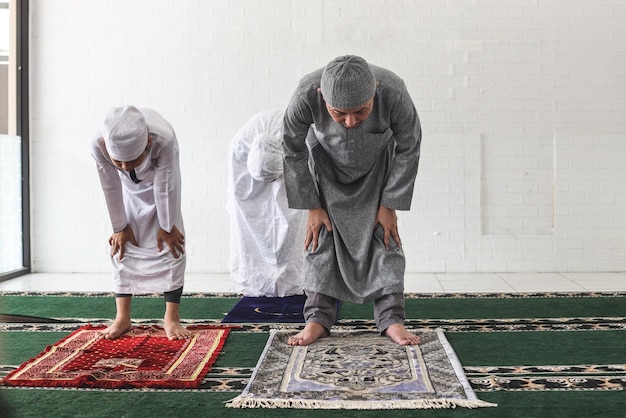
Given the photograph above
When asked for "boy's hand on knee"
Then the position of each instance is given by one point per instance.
(118, 241)
(175, 240)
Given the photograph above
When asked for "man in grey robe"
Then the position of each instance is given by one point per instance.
(355, 169)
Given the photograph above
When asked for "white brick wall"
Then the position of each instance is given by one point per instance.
(522, 104)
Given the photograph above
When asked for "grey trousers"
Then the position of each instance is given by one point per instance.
(322, 309)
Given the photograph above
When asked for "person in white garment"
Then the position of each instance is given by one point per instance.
(265, 234)
(136, 153)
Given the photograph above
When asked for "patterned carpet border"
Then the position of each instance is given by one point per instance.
(448, 325)
(486, 295)
(553, 383)
(481, 378)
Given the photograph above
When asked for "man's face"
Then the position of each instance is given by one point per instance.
(351, 118)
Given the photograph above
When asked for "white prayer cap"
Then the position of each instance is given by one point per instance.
(265, 158)
(125, 133)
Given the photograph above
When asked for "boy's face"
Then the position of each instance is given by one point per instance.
(131, 165)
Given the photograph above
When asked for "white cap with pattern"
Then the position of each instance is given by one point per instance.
(125, 133)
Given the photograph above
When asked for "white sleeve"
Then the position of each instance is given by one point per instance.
(167, 185)
(111, 184)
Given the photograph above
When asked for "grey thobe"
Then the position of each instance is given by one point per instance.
(351, 173)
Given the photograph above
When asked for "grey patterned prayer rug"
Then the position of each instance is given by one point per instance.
(358, 370)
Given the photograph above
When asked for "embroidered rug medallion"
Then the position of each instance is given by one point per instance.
(358, 370)
(143, 357)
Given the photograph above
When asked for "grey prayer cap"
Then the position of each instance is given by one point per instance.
(125, 133)
(348, 82)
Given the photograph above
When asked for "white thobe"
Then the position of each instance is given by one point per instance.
(153, 203)
(266, 236)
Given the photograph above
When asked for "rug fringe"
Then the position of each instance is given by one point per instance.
(249, 402)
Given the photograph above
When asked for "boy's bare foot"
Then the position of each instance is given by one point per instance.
(117, 329)
(311, 333)
(401, 335)
(175, 331)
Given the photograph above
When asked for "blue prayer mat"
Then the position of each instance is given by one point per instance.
(267, 309)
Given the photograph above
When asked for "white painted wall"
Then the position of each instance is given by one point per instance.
(522, 104)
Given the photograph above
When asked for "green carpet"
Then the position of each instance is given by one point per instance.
(584, 343)
(217, 307)
(104, 306)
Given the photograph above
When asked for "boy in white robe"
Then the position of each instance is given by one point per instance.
(265, 234)
(136, 153)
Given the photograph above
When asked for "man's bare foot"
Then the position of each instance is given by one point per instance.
(117, 329)
(311, 333)
(401, 335)
(175, 331)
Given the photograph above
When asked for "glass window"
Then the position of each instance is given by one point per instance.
(14, 202)
(11, 258)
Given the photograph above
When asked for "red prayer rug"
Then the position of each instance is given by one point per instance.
(143, 357)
